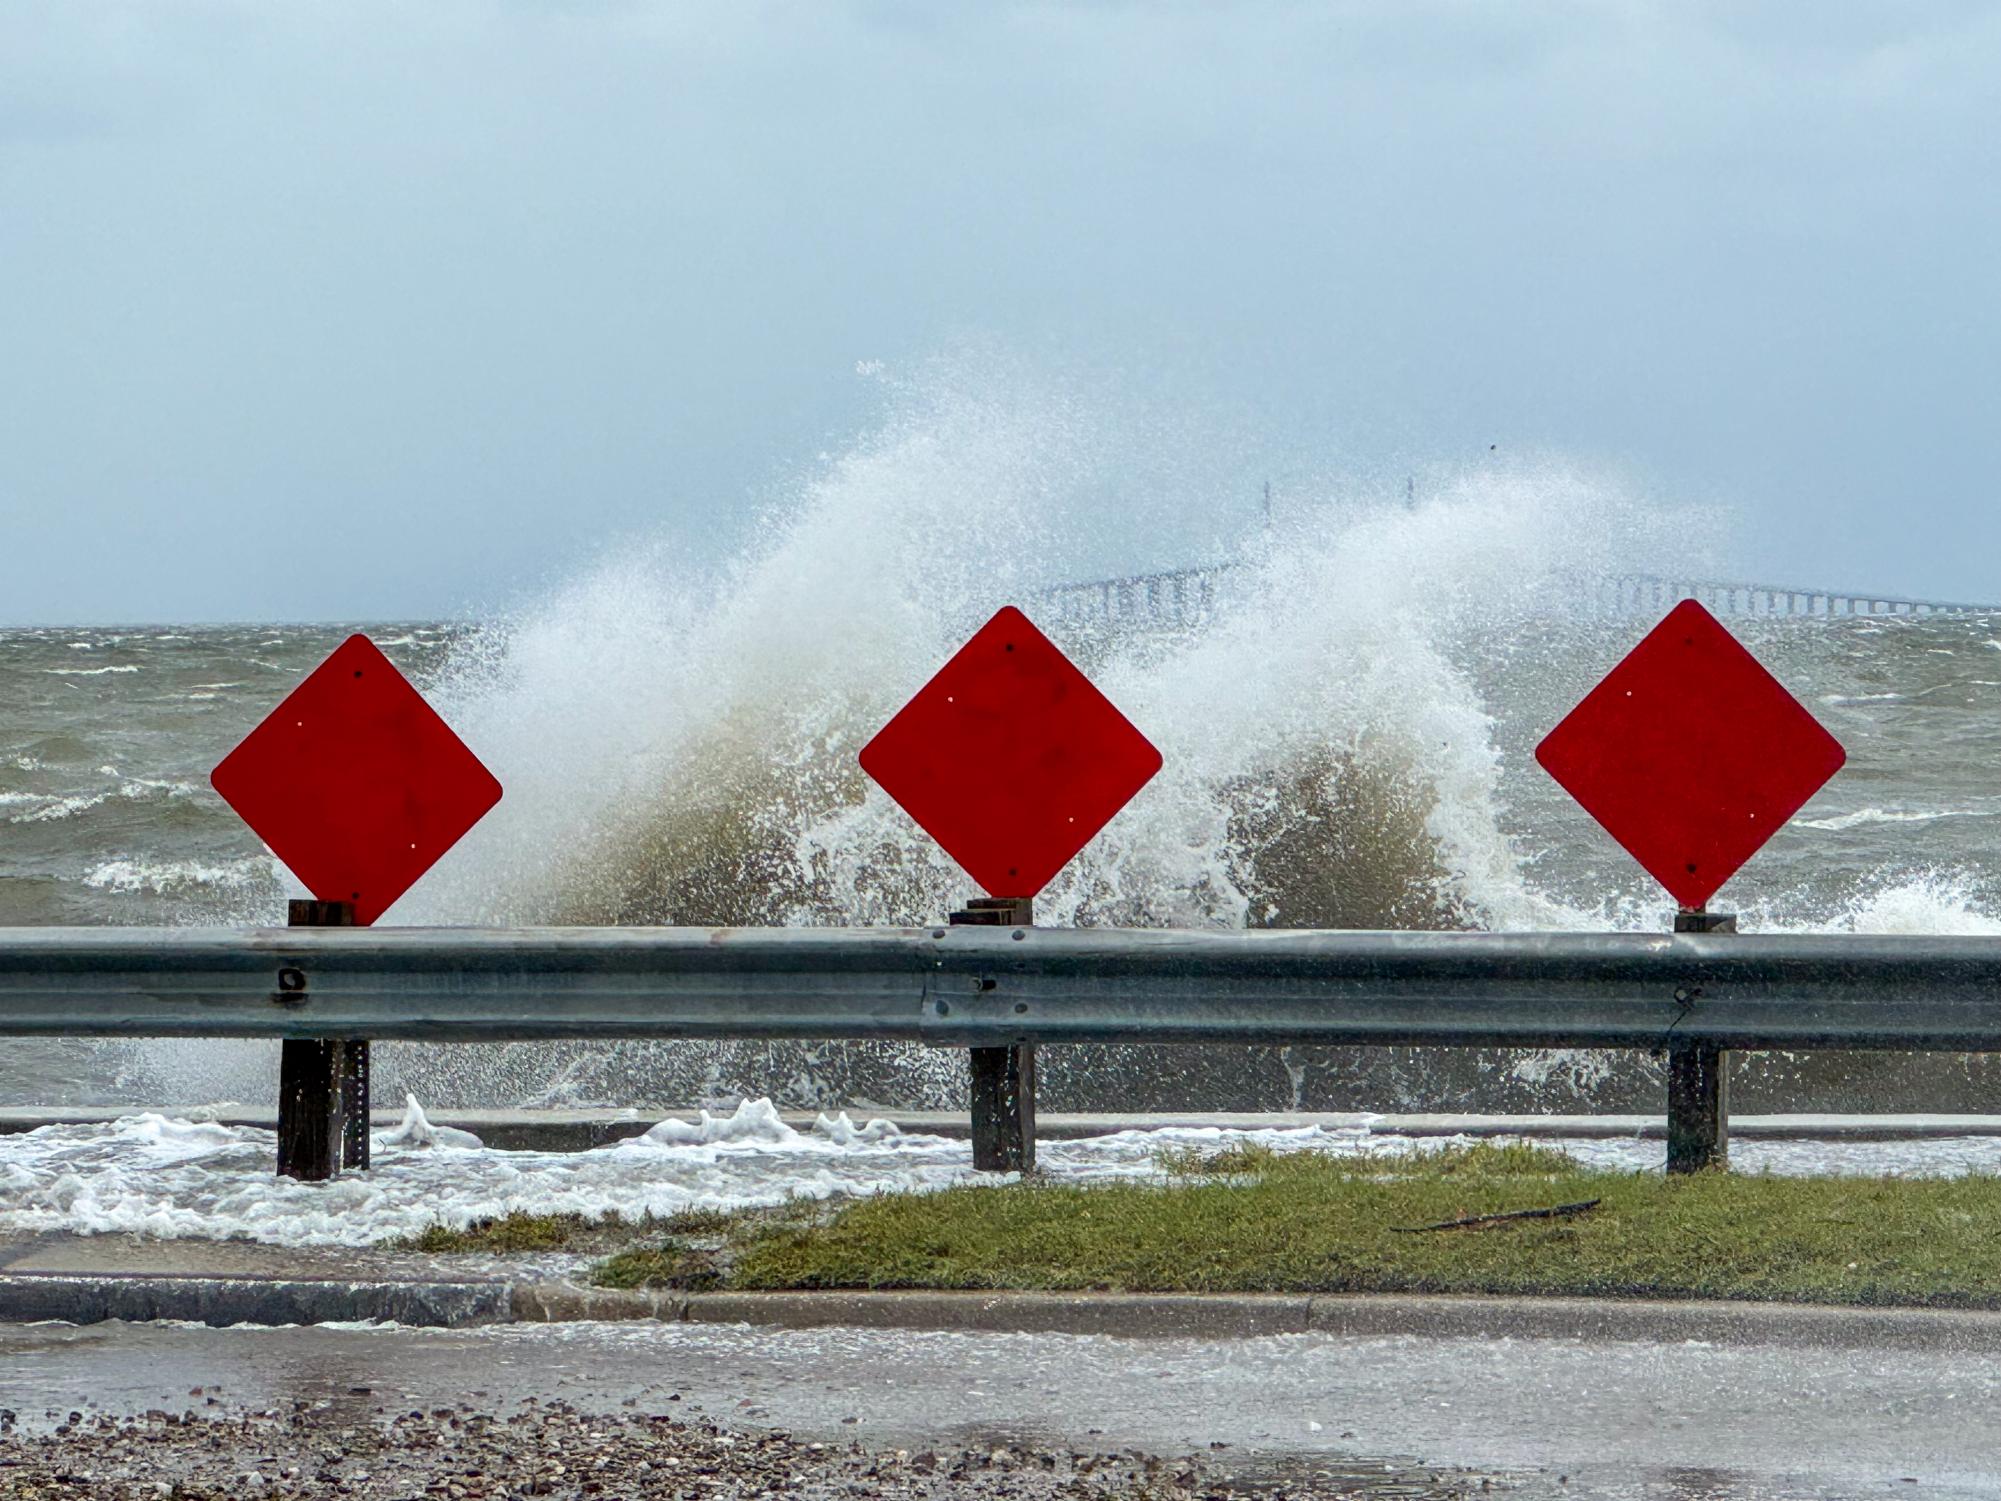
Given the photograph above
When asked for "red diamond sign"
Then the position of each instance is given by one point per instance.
(1690, 754)
(1010, 757)
(355, 782)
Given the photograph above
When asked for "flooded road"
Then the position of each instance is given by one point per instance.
(1532, 1418)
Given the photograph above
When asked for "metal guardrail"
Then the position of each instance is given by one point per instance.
(1693, 995)
(963, 987)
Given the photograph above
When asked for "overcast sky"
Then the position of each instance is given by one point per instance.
(358, 309)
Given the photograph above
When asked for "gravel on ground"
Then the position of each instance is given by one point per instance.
(554, 1451)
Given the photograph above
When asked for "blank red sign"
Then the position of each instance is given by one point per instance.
(1690, 754)
(1010, 757)
(355, 782)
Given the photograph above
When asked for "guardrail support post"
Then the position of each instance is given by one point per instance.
(1003, 1078)
(1698, 1081)
(322, 1083)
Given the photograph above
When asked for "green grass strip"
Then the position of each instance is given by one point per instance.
(1251, 1220)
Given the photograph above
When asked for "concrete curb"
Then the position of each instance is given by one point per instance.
(1659, 1321)
(1125, 1315)
(34, 1297)
(221, 1301)
(1252, 1315)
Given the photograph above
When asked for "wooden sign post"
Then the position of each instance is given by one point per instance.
(1003, 1078)
(322, 1083)
(1698, 1079)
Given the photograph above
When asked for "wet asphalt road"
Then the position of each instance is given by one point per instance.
(1541, 1417)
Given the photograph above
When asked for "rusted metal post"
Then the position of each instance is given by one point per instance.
(1003, 1078)
(322, 1083)
(1698, 1080)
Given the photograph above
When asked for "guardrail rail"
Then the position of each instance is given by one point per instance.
(998, 986)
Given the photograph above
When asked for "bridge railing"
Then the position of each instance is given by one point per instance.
(963, 987)
(1630, 593)
(1175, 597)
(1184, 597)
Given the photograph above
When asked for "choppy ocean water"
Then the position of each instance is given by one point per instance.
(106, 737)
(1347, 737)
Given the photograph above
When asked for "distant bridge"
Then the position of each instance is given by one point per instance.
(1628, 593)
(1187, 596)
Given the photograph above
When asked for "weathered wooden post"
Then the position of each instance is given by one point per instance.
(322, 1081)
(1003, 1078)
(1012, 760)
(1698, 1079)
(1691, 755)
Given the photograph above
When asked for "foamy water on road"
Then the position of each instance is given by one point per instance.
(155, 1175)
(1319, 1414)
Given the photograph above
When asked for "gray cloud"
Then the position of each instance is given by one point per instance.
(362, 309)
